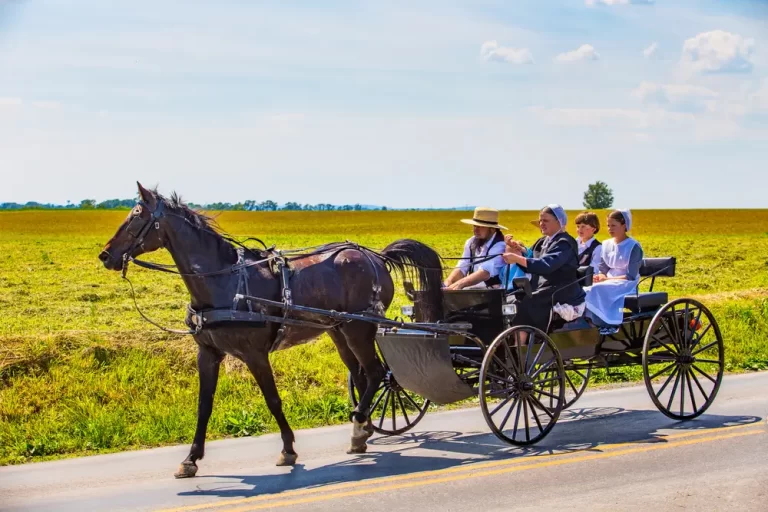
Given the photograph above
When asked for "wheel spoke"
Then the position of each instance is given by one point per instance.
(517, 420)
(690, 390)
(710, 361)
(541, 406)
(538, 355)
(394, 411)
(378, 401)
(528, 351)
(552, 396)
(662, 371)
(509, 413)
(685, 330)
(509, 355)
(570, 383)
(660, 358)
(674, 390)
(700, 337)
(502, 404)
(535, 416)
(384, 410)
(503, 366)
(682, 395)
(414, 404)
(669, 379)
(543, 367)
(499, 378)
(698, 384)
(704, 374)
(708, 346)
(525, 417)
(402, 409)
(672, 337)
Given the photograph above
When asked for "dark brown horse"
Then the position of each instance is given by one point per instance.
(341, 278)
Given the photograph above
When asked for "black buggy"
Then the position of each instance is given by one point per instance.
(525, 377)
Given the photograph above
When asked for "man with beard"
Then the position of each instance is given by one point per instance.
(481, 260)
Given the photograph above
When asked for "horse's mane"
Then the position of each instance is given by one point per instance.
(198, 219)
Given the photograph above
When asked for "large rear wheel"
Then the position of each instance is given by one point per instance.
(683, 359)
(521, 368)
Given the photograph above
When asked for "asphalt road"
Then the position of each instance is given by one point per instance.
(613, 450)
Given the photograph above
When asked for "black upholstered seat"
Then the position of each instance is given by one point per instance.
(645, 301)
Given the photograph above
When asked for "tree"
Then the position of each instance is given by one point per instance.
(598, 196)
(88, 204)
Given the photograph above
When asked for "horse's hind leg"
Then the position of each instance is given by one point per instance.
(208, 363)
(360, 341)
(258, 364)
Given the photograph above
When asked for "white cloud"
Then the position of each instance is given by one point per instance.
(47, 105)
(592, 3)
(718, 52)
(10, 102)
(491, 51)
(608, 117)
(652, 52)
(583, 52)
(684, 98)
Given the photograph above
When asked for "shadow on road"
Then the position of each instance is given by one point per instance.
(577, 430)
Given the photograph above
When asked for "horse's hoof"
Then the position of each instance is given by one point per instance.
(186, 470)
(287, 459)
(357, 448)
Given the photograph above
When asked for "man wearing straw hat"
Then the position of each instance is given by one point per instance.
(481, 260)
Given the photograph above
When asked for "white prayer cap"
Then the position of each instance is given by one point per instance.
(560, 214)
(627, 218)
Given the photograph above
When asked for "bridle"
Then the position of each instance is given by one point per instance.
(139, 233)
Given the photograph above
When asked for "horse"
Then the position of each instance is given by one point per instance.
(214, 268)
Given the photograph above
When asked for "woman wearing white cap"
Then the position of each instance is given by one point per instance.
(619, 270)
(481, 260)
(553, 267)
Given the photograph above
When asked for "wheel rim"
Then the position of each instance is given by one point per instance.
(683, 359)
(394, 410)
(514, 375)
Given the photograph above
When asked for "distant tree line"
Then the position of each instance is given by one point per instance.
(250, 205)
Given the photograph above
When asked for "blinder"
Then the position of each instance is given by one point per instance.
(140, 231)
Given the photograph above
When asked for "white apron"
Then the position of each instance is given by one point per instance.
(605, 300)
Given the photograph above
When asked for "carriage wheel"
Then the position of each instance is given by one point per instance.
(394, 410)
(521, 366)
(576, 381)
(683, 359)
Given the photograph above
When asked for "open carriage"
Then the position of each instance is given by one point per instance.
(524, 377)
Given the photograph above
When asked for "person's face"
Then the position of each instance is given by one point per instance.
(548, 224)
(482, 232)
(585, 231)
(615, 228)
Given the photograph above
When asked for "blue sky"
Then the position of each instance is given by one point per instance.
(438, 103)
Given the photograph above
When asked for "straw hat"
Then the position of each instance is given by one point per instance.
(485, 217)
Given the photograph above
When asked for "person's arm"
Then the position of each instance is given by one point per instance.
(635, 261)
(478, 276)
(462, 267)
(557, 256)
(597, 258)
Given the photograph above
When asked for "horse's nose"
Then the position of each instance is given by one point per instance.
(104, 256)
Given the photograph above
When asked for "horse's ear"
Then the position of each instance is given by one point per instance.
(147, 196)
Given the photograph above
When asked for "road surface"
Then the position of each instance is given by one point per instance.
(612, 451)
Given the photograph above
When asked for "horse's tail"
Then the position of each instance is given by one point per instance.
(415, 260)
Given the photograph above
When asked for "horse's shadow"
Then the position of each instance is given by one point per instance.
(577, 430)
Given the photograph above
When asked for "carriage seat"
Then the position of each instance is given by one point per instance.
(650, 300)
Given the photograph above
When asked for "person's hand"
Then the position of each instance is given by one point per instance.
(510, 258)
(599, 278)
(516, 247)
(458, 285)
(508, 239)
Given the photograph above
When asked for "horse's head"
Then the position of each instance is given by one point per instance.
(140, 232)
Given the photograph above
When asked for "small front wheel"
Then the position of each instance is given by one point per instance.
(394, 410)
(521, 369)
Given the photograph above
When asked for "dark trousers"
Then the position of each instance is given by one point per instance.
(535, 310)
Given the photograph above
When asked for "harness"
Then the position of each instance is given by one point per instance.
(243, 309)
(492, 281)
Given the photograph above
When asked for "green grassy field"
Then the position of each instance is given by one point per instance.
(80, 372)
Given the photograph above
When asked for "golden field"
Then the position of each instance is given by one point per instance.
(80, 372)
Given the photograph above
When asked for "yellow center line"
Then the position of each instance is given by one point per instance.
(457, 469)
(560, 461)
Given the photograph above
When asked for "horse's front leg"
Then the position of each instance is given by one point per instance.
(208, 363)
(258, 364)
